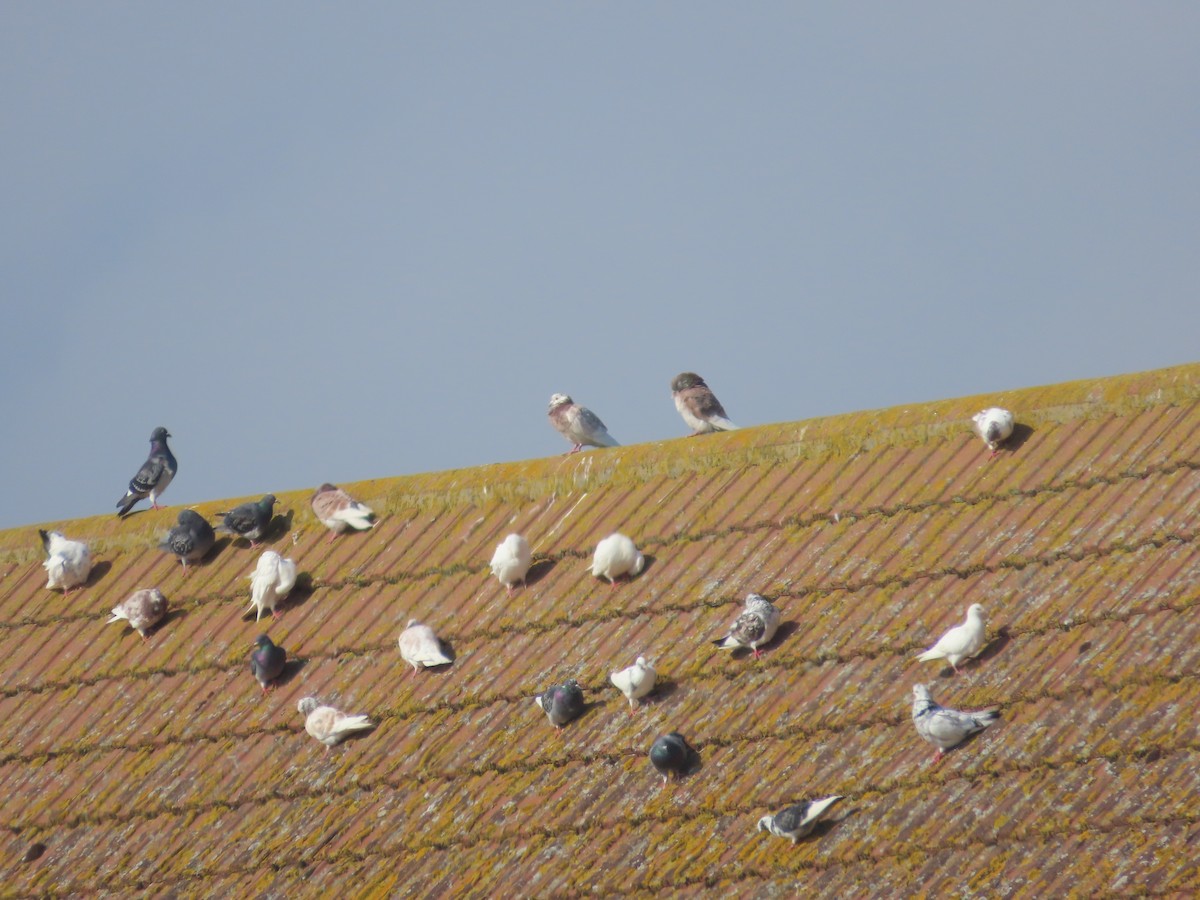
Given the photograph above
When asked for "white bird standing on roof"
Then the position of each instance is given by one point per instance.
(511, 561)
(698, 405)
(68, 563)
(578, 424)
(962, 641)
(755, 626)
(142, 609)
(615, 556)
(339, 512)
(994, 425)
(946, 728)
(634, 682)
(419, 646)
(273, 579)
(329, 725)
(797, 821)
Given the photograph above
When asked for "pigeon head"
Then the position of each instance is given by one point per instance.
(189, 517)
(325, 488)
(764, 824)
(921, 697)
(559, 399)
(307, 705)
(159, 434)
(267, 502)
(976, 609)
(685, 380)
(412, 622)
(262, 642)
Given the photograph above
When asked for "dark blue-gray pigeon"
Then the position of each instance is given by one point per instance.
(797, 821)
(561, 702)
(670, 755)
(267, 661)
(249, 520)
(190, 539)
(154, 475)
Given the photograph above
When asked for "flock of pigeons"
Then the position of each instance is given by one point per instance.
(68, 565)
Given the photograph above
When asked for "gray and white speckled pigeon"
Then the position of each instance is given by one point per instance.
(962, 641)
(946, 728)
(797, 821)
(154, 475)
(561, 702)
(755, 626)
(698, 405)
(329, 725)
(511, 561)
(272, 580)
(578, 424)
(615, 556)
(419, 646)
(634, 681)
(994, 425)
(142, 609)
(670, 755)
(249, 520)
(190, 539)
(267, 661)
(68, 563)
(339, 512)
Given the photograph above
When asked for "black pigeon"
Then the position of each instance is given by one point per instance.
(561, 702)
(249, 520)
(190, 539)
(670, 755)
(154, 475)
(267, 661)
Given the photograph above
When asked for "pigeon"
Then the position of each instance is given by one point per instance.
(419, 646)
(339, 512)
(329, 725)
(142, 609)
(267, 661)
(68, 563)
(994, 425)
(249, 520)
(946, 728)
(190, 539)
(698, 405)
(561, 702)
(962, 641)
(273, 579)
(511, 561)
(615, 556)
(797, 821)
(670, 755)
(578, 424)
(754, 627)
(154, 475)
(634, 682)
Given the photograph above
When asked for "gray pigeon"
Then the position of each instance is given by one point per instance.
(797, 821)
(267, 661)
(698, 405)
(154, 475)
(142, 609)
(190, 539)
(578, 424)
(249, 520)
(670, 755)
(755, 626)
(561, 702)
(946, 728)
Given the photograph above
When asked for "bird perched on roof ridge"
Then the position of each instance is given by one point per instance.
(339, 512)
(249, 520)
(190, 539)
(154, 475)
(634, 681)
(615, 556)
(943, 727)
(698, 405)
(962, 641)
(272, 580)
(68, 563)
(578, 424)
(754, 626)
(670, 755)
(797, 821)
(561, 702)
(419, 646)
(511, 561)
(993, 425)
(267, 661)
(142, 609)
(329, 725)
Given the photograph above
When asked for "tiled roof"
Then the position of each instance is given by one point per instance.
(159, 766)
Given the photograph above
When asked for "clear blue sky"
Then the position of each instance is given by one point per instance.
(343, 241)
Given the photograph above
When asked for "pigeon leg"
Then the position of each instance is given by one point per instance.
(757, 655)
(937, 757)
(331, 537)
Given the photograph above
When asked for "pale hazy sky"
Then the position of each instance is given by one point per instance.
(343, 241)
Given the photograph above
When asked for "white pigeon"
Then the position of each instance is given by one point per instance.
(142, 609)
(797, 821)
(273, 579)
(615, 556)
(329, 725)
(962, 641)
(946, 728)
(68, 563)
(339, 512)
(511, 561)
(755, 626)
(994, 425)
(419, 646)
(634, 682)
